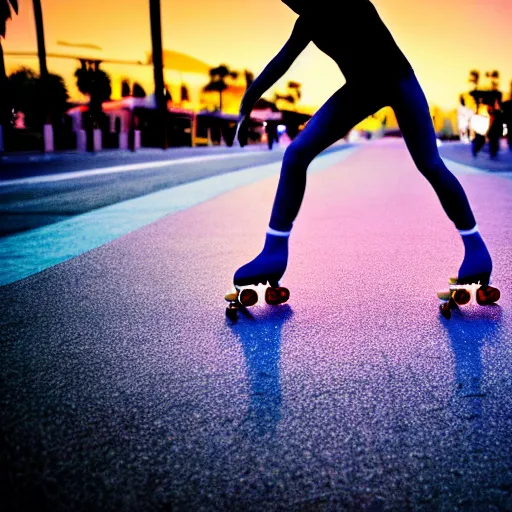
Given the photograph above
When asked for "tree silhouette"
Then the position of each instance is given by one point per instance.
(158, 72)
(184, 94)
(125, 88)
(217, 82)
(138, 91)
(249, 78)
(263, 104)
(296, 88)
(293, 94)
(28, 96)
(474, 77)
(41, 48)
(95, 83)
(494, 77)
(24, 86)
(5, 112)
(5, 13)
(290, 98)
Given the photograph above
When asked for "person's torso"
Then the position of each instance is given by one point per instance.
(354, 36)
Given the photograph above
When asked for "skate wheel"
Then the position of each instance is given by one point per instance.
(486, 295)
(444, 295)
(446, 310)
(231, 311)
(248, 297)
(278, 295)
(461, 296)
(231, 296)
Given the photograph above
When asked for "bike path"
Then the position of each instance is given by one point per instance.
(124, 387)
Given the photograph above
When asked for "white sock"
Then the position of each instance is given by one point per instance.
(274, 232)
(466, 232)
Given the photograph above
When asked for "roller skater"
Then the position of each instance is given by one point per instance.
(335, 28)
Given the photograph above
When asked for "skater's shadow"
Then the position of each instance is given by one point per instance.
(469, 332)
(260, 338)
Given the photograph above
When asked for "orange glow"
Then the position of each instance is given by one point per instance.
(442, 39)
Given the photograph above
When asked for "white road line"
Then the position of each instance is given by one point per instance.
(120, 168)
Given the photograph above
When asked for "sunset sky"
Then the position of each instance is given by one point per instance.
(443, 39)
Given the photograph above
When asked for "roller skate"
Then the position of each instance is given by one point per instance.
(242, 298)
(466, 291)
(266, 269)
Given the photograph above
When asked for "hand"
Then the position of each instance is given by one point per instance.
(242, 130)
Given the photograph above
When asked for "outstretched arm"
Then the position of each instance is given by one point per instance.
(277, 67)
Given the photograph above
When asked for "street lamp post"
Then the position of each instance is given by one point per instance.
(156, 40)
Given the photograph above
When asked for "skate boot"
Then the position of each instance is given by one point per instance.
(267, 268)
(466, 291)
(470, 290)
(474, 278)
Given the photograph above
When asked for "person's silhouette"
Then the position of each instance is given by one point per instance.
(336, 29)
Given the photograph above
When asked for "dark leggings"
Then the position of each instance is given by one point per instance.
(343, 110)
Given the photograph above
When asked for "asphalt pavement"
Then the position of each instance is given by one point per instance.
(125, 387)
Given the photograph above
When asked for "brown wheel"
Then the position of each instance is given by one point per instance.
(461, 296)
(276, 295)
(248, 297)
(486, 295)
(446, 310)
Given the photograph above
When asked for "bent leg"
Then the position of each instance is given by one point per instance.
(413, 116)
(346, 108)
(343, 110)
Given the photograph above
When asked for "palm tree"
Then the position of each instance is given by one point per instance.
(125, 88)
(43, 74)
(249, 78)
(26, 96)
(138, 91)
(5, 14)
(293, 94)
(296, 88)
(289, 98)
(41, 48)
(158, 69)
(184, 94)
(494, 77)
(218, 83)
(95, 83)
(474, 78)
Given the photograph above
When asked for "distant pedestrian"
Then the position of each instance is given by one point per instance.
(495, 132)
(271, 131)
(506, 108)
